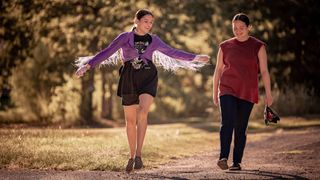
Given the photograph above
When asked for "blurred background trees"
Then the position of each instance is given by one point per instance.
(39, 42)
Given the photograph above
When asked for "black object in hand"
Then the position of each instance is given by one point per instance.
(270, 116)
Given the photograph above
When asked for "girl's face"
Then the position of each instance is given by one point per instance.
(144, 25)
(240, 29)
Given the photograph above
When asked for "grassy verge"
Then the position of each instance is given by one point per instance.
(107, 149)
(96, 149)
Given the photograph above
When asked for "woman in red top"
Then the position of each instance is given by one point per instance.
(235, 86)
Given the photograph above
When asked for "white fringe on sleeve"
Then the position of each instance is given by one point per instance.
(82, 60)
(114, 59)
(172, 64)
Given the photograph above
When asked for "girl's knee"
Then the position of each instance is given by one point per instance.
(131, 121)
(143, 111)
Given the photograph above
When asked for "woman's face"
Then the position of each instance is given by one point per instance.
(240, 29)
(144, 25)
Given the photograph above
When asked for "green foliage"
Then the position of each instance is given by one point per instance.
(292, 44)
(296, 100)
(65, 101)
(32, 82)
(289, 101)
(15, 35)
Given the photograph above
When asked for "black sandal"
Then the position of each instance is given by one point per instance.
(130, 164)
(223, 164)
(235, 167)
(138, 164)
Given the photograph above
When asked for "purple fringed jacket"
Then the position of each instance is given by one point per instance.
(122, 48)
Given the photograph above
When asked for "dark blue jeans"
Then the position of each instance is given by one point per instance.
(235, 114)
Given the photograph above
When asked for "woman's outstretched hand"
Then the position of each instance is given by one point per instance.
(202, 58)
(81, 70)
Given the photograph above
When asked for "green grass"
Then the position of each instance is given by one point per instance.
(107, 149)
(96, 149)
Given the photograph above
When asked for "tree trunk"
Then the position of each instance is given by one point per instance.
(86, 109)
(106, 109)
(110, 102)
(104, 112)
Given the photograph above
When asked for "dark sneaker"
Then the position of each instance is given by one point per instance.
(130, 164)
(235, 167)
(138, 164)
(223, 164)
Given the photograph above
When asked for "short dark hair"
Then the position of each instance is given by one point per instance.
(242, 17)
(142, 12)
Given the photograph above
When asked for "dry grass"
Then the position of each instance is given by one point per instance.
(107, 149)
(96, 149)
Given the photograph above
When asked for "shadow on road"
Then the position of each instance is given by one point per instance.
(264, 174)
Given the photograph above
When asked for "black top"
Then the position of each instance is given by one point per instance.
(142, 42)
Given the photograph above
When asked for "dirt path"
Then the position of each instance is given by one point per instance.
(290, 154)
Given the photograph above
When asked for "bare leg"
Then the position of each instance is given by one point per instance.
(142, 115)
(130, 113)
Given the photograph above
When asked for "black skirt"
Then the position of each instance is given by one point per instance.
(135, 81)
